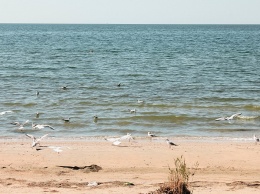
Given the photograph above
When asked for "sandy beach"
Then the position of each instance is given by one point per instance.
(138, 166)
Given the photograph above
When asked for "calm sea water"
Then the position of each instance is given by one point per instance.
(187, 76)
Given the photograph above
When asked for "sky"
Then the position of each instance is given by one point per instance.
(130, 11)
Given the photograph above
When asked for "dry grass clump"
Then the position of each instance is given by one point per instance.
(178, 179)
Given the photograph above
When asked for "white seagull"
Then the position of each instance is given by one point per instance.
(128, 137)
(4, 112)
(256, 138)
(55, 149)
(21, 125)
(36, 141)
(140, 101)
(151, 134)
(115, 141)
(170, 143)
(228, 118)
(38, 126)
(132, 110)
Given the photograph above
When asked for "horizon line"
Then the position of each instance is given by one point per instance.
(35, 23)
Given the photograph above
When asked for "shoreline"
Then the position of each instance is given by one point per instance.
(224, 167)
(139, 138)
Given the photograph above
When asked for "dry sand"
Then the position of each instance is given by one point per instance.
(138, 166)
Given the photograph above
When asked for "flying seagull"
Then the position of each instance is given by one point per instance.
(36, 141)
(228, 118)
(38, 126)
(128, 137)
(21, 125)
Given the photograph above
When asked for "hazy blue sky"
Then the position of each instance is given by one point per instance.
(131, 11)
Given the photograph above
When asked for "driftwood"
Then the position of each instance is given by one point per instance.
(91, 168)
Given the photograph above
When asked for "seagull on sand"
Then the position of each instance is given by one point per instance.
(4, 112)
(38, 126)
(58, 148)
(36, 141)
(55, 149)
(228, 118)
(115, 141)
(151, 135)
(256, 138)
(170, 143)
(21, 125)
(128, 137)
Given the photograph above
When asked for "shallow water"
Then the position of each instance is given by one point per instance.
(188, 75)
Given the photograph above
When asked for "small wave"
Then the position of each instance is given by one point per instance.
(232, 130)
(252, 107)
(248, 117)
(168, 118)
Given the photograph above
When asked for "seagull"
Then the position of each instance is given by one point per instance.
(4, 112)
(37, 115)
(128, 137)
(151, 134)
(170, 143)
(140, 101)
(228, 118)
(64, 87)
(21, 125)
(38, 126)
(95, 118)
(56, 149)
(115, 141)
(36, 141)
(132, 110)
(37, 93)
(256, 138)
(66, 119)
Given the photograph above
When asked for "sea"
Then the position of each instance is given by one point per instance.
(178, 78)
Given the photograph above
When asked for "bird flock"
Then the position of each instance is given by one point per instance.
(116, 141)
